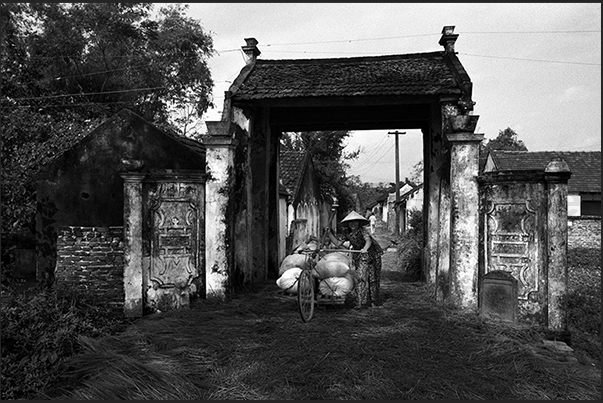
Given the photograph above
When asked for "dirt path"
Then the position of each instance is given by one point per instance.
(257, 347)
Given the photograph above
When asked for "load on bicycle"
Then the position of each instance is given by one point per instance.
(331, 270)
(327, 274)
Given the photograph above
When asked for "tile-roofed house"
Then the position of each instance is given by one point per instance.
(292, 168)
(302, 202)
(407, 74)
(81, 185)
(584, 185)
(53, 154)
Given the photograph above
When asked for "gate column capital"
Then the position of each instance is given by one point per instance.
(465, 137)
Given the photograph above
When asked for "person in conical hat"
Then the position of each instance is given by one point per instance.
(354, 216)
(367, 263)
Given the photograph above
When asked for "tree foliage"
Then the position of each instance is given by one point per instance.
(507, 140)
(416, 175)
(97, 58)
(366, 193)
(68, 66)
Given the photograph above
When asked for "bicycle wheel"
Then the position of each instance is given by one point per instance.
(305, 295)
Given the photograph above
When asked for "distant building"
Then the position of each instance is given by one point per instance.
(303, 208)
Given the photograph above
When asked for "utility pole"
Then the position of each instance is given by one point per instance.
(397, 205)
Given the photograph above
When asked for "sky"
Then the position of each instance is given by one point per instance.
(535, 67)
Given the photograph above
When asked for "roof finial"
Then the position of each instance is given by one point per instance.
(251, 50)
(448, 38)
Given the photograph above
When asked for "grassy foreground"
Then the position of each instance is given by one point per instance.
(61, 346)
(255, 346)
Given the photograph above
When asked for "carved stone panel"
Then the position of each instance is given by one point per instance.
(511, 244)
(173, 262)
(173, 248)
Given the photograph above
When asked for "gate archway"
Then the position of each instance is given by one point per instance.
(430, 91)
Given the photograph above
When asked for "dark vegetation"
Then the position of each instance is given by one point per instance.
(66, 67)
(41, 329)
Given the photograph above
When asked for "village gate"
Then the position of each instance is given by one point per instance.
(427, 91)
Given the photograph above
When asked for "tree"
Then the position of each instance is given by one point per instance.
(416, 176)
(65, 67)
(97, 58)
(366, 193)
(507, 140)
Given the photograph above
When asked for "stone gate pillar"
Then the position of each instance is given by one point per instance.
(557, 173)
(464, 217)
(220, 161)
(133, 218)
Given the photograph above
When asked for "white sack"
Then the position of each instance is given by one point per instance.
(288, 281)
(330, 268)
(336, 286)
(338, 256)
(293, 260)
(311, 245)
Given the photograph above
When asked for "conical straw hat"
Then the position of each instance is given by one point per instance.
(354, 216)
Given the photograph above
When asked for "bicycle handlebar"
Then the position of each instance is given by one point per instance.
(330, 250)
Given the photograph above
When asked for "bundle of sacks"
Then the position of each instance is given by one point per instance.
(336, 277)
(293, 264)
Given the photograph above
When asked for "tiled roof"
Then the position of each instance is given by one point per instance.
(292, 167)
(130, 118)
(409, 74)
(585, 166)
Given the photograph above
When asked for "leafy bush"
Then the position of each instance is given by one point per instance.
(410, 247)
(39, 332)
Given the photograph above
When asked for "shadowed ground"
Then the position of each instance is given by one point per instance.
(256, 346)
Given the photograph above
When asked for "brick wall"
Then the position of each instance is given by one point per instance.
(584, 232)
(91, 259)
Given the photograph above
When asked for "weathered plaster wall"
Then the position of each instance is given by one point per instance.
(524, 227)
(227, 254)
(464, 213)
(83, 186)
(90, 259)
(436, 179)
(514, 234)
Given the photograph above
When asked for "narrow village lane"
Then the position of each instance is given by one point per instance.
(255, 346)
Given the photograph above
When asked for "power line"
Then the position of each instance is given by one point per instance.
(534, 32)
(375, 163)
(65, 105)
(87, 93)
(531, 60)
(360, 40)
(78, 55)
(433, 34)
(348, 40)
(374, 152)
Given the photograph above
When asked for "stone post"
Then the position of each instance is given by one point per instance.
(464, 217)
(220, 161)
(133, 302)
(557, 173)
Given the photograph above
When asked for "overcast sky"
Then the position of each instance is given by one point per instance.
(535, 67)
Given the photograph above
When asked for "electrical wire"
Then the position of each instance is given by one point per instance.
(374, 152)
(365, 170)
(87, 93)
(531, 60)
